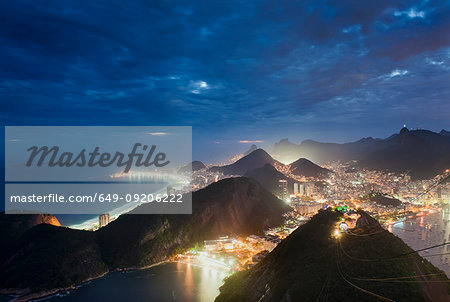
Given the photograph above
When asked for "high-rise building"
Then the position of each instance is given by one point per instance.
(302, 189)
(444, 193)
(103, 220)
(308, 189)
(282, 184)
(170, 190)
(296, 188)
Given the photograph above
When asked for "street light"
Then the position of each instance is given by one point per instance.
(337, 234)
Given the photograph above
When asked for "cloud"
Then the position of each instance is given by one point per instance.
(438, 62)
(198, 87)
(394, 73)
(247, 68)
(410, 13)
(432, 62)
(250, 141)
(398, 72)
(352, 29)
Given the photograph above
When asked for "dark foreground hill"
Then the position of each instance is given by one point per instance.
(13, 226)
(48, 257)
(233, 205)
(269, 178)
(383, 199)
(45, 257)
(421, 153)
(255, 159)
(304, 167)
(312, 265)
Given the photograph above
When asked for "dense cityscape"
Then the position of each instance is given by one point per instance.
(346, 187)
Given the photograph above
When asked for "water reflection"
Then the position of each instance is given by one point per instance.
(166, 282)
(428, 230)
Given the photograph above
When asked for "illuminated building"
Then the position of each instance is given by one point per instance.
(282, 184)
(296, 191)
(103, 220)
(309, 188)
(211, 245)
(302, 189)
(223, 243)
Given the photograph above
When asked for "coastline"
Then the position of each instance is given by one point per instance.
(26, 295)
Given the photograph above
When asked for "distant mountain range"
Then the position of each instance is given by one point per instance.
(311, 265)
(421, 153)
(193, 166)
(261, 159)
(41, 258)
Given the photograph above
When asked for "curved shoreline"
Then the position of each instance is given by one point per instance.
(26, 295)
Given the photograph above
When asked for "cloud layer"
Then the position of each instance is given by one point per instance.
(258, 69)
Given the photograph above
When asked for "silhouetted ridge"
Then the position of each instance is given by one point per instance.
(311, 264)
(45, 257)
(365, 220)
(14, 225)
(256, 159)
(193, 166)
(304, 167)
(269, 178)
(444, 132)
(404, 131)
(421, 153)
(252, 148)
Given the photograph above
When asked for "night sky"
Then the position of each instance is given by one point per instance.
(234, 70)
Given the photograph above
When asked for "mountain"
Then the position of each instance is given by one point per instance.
(255, 159)
(12, 226)
(313, 265)
(268, 177)
(193, 166)
(304, 167)
(444, 132)
(285, 151)
(250, 150)
(322, 153)
(47, 257)
(241, 155)
(421, 153)
(17, 224)
(232, 205)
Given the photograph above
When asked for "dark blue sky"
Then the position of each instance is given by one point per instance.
(234, 70)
